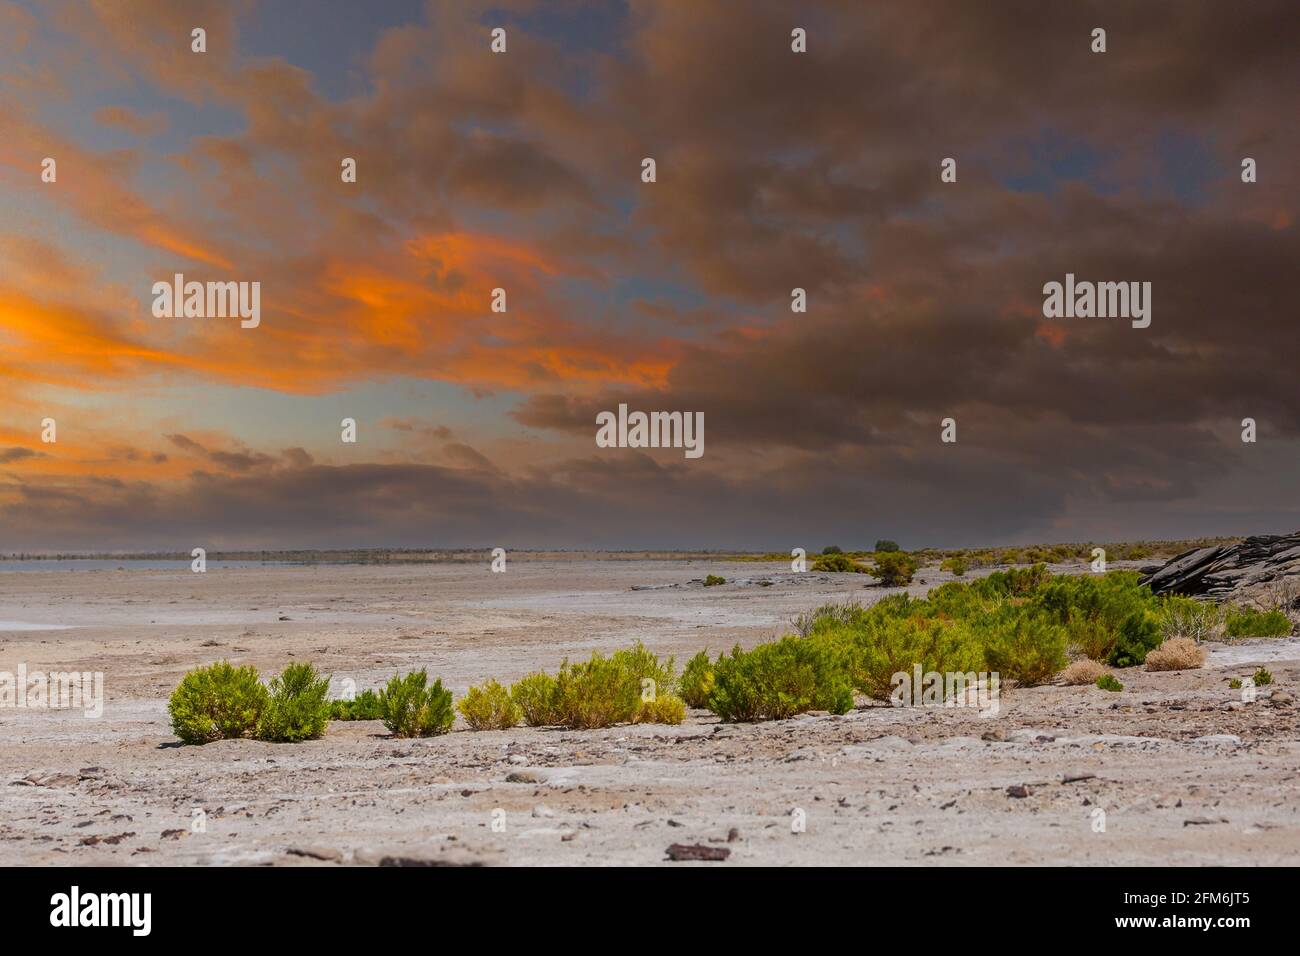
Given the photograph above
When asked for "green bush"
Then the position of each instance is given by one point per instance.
(1139, 634)
(779, 680)
(367, 705)
(1187, 617)
(1262, 677)
(884, 544)
(893, 568)
(1026, 648)
(412, 709)
(1247, 622)
(297, 708)
(832, 549)
(954, 565)
(697, 680)
(713, 580)
(1235, 683)
(535, 697)
(885, 646)
(217, 702)
(599, 692)
(489, 707)
(644, 666)
(1109, 682)
(837, 564)
(664, 709)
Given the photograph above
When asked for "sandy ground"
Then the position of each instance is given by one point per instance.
(1185, 772)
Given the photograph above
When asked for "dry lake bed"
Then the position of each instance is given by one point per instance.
(1176, 769)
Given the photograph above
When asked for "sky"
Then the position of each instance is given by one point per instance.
(522, 170)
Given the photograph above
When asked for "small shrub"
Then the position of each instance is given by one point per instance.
(697, 680)
(1176, 654)
(780, 679)
(1083, 671)
(535, 697)
(837, 564)
(1262, 677)
(664, 709)
(1187, 617)
(893, 568)
(1248, 622)
(954, 565)
(412, 709)
(714, 580)
(365, 706)
(1025, 648)
(600, 692)
(297, 708)
(489, 707)
(1109, 682)
(885, 646)
(217, 702)
(1138, 636)
(830, 615)
(832, 549)
(884, 544)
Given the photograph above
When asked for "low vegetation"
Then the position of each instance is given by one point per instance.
(366, 705)
(297, 708)
(414, 708)
(780, 679)
(217, 702)
(1109, 682)
(534, 695)
(1082, 671)
(893, 568)
(713, 580)
(489, 707)
(1248, 622)
(1176, 654)
(1262, 677)
(696, 681)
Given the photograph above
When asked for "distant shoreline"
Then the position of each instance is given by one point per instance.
(1008, 554)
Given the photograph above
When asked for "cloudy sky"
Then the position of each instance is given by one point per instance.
(522, 170)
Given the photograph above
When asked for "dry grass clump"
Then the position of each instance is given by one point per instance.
(1176, 654)
(1083, 671)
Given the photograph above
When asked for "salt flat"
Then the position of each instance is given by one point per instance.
(1185, 772)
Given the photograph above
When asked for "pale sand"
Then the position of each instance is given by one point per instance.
(878, 786)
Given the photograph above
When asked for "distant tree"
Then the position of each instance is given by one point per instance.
(884, 544)
(833, 549)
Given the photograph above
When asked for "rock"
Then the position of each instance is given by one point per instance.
(733, 835)
(680, 852)
(525, 776)
(1219, 740)
(1019, 790)
(1078, 777)
(172, 834)
(1220, 571)
(1203, 821)
(543, 812)
(113, 840)
(326, 853)
(49, 780)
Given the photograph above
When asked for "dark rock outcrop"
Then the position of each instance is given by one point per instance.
(1220, 571)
